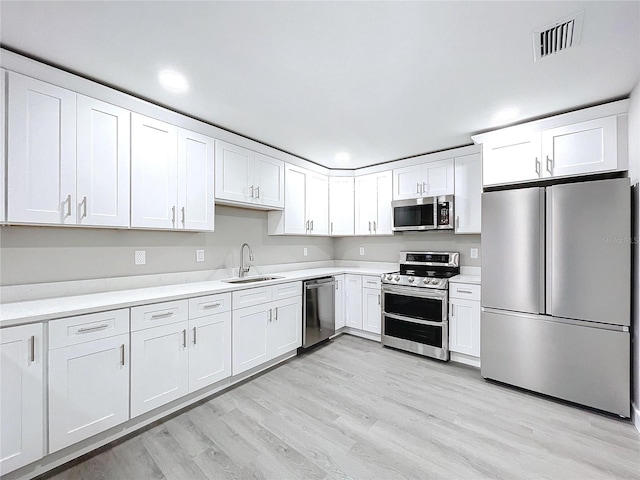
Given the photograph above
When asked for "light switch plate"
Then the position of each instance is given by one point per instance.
(474, 253)
(199, 255)
(140, 257)
(305, 251)
(361, 250)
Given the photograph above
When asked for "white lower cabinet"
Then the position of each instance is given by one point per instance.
(464, 318)
(353, 301)
(21, 396)
(210, 350)
(371, 304)
(339, 301)
(266, 329)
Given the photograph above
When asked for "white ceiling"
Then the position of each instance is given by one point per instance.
(379, 80)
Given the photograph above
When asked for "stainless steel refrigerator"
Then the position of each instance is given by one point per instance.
(556, 291)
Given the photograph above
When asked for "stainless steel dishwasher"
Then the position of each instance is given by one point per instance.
(318, 311)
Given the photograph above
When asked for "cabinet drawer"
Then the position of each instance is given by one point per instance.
(286, 290)
(468, 291)
(157, 314)
(251, 296)
(370, 281)
(85, 328)
(204, 306)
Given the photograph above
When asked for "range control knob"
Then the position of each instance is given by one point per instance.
(410, 279)
(425, 281)
(389, 277)
(396, 278)
(434, 281)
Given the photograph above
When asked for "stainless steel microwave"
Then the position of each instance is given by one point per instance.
(426, 213)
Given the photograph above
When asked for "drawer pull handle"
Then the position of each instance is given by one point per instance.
(161, 315)
(33, 348)
(92, 329)
(463, 291)
(211, 305)
(122, 354)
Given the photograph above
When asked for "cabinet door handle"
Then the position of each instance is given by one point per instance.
(275, 314)
(537, 166)
(68, 202)
(92, 329)
(270, 315)
(251, 191)
(211, 305)
(549, 165)
(418, 187)
(378, 299)
(161, 315)
(307, 225)
(122, 354)
(183, 216)
(336, 285)
(425, 187)
(331, 227)
(184, 338)
(32, 349)
(258, 191)
(195, 336)
(453, 309)
(375, 227)
(173, 215)
(457, 222)
(369, 227)
(84, 207)
(312, 225)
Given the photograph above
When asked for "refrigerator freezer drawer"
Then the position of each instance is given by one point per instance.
(581, 364)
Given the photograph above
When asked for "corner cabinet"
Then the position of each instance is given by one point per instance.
(468, 193)
(373, 204)
(171, 177)
(248, 178)
(306, 206)
(353, 301)
(341, 206)
(21, 396)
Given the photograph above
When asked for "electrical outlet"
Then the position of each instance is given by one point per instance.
(199, 255)
(474, 253)
(305, 252)
(361, 250)
(140, 257)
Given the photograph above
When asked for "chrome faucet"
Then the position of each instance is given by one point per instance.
(242, 270)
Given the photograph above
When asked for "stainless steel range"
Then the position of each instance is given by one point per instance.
(415, 302)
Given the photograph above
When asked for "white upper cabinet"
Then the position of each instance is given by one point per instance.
(373, 204)
(248, 178)
(585, 147)
(3, 118)
(341, 206)
(195, 181)
(582, 142)
(171, 176)
(468, 193)
(427, 179)
(306, 207)
(41, 152)
(103, 161)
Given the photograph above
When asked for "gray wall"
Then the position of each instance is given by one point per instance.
(386, 249)
(47, 254)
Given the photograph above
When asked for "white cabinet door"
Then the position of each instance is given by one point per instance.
(384, 189)
(353, 301)
(103, 160)
(249, 337)
(438, 178)
(511, 161)
(318, 204)
(464, 326)
(407, 182)
(41, 152)
(195, 181)
(154, 173)
(3, 138)
(88, 389)
(585, 147)
(295, 211)
(233, 172)
(371, 310)
(210, 350)
(284, 333)
(366, 204)
(341, 206)
(21, 396)
(268, 178)
(468, 193)
(339, 303)
(159, 366)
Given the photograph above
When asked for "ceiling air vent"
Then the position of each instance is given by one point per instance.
(557, 37)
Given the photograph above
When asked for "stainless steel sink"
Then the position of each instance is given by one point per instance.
(260, 278)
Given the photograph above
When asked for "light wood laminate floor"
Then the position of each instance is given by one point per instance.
(354, 409)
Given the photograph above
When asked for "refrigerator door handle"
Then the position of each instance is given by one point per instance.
(546, 300)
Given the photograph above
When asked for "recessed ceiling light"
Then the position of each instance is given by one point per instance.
(342, 157)
(173, 81)
(506, 114)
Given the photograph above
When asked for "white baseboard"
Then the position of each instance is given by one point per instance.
(635, 415)
(466, 359)
(361, 333)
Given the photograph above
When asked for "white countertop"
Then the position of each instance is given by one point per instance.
(466, 278)
(17, 313)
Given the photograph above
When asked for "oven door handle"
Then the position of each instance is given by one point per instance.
(414, 320)
(416, 292)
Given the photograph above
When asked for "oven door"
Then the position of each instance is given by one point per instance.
(415, 319)
(416, 214)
